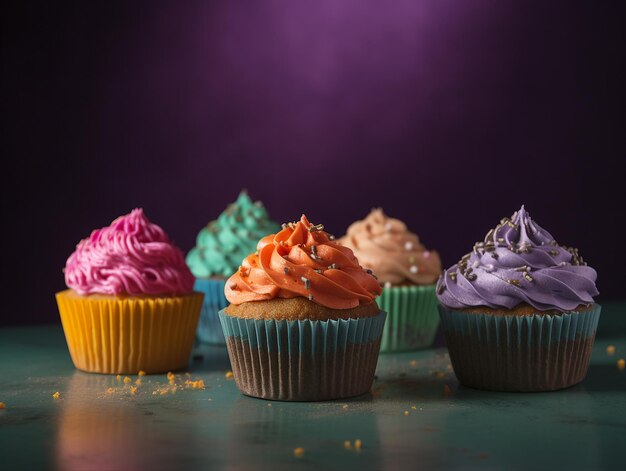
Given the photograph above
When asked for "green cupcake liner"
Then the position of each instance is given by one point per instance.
(303, 360)
(539, 352)
(412, 317)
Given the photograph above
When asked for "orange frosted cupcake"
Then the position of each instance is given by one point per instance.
(303, 323)
(130, 304)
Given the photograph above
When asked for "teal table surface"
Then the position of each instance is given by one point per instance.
(416, 417)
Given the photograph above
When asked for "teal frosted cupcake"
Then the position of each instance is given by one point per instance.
(407, 271)
(220, 247)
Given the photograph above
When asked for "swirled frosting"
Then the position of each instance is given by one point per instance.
(302, 260)
(223, 243)
(518, 262)
(132, 256)
(385, 245)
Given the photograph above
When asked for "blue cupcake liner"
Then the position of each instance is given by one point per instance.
(304, 360)
(538, 352)
(209, 327)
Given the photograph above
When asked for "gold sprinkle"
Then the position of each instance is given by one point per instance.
(229, 375)
(406, 412)
(195, 384)
(133, 390)
(110, 391)
(347, 445)
(298, 452)
(118, 378)
(56, 395)
(610, 350)
(138, 382)
(357, 444)
(170, 376)
(413, 407)
(127, 380)
(621, 364)
(3, 405)
(141, 373)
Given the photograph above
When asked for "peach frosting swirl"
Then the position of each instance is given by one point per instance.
(303, 260)
(386, 245)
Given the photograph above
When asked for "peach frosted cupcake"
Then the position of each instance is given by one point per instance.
(130, 304)
(303, 323)
(407, 271)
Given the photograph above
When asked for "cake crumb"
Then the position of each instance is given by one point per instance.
(357, 444)
(133, 390)
(127, 380)
(3, 405)
(406, 412)
(269, 404)
(298, 452)
(610, 350)
(229, 375)
(413, 407)
(109, 390)
(621, 364)
(347, 445)
(170, 376)
(195, 384)
(56, 395)
(138, 382)
(345, 407)
(118, 378)
(141, 373)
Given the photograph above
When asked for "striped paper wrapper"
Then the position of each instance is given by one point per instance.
(539, 352)
(303, 360)
(115, 335)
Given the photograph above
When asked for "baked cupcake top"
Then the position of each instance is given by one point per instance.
(223, 243)
(386, 245)
(518, 262)
(132, 257)
(302, 260)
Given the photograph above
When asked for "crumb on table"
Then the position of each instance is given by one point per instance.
(347, 445)
(3, 405)
(127, 380)
(138, 382)
(118, 378)
(298, 452)
(133, 390)
(406, 412)
(141, 373)
(621, 364)
(610, 350)
(229, 375)
(56, 395)
(358, 444)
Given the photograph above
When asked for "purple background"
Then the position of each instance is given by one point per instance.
(448, 113)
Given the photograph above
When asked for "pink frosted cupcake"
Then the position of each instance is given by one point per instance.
(130, 305)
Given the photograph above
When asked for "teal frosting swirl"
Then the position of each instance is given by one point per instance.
(225, 242)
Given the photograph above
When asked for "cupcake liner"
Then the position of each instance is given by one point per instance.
(303, 360)
(540, 352)
(124, 335)
(209, 327)
(412, 317)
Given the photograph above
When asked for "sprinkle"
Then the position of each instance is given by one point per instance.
(333, 266)
(406, 413)
(610, 350)
(195, 384)
(298, 452)
(318, 270)
(357, 444)
(426, 254)
(554, 253)
(488, 267)
(331, 237)
(621, 364)
(170, 376)
(284, 226)
(138, 382)
(57, 394)
(452, 275)
(310, 297)
(501, 240)
(527, 277)
(413, 269)
(141, 373)
(513, 282)
(314, 249)
(286, 270)
(110, 391)
(522, 268)
(347, 445)
(470, 276)
(387, 284)
(413, 407)
(133, 390)
(3, 405)
(316, 227)
(127, 380)
(306, 281)
(408, 246)
(118, 378)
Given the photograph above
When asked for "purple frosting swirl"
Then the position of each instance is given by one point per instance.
(518, 262)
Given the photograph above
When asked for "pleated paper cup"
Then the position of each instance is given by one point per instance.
(209, 327)
(303, 360)
(539, 352)
(412, 317)
(115, 335)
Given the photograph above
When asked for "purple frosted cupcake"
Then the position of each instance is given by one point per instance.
(518, 312)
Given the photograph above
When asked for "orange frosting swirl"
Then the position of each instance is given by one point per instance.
(302, 260)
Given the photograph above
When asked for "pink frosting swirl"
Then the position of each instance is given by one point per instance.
(132, 256)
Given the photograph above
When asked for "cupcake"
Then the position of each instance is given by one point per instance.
(220, 247)
(408, 273)
(518, 312)
(130, 305)
(303, 323)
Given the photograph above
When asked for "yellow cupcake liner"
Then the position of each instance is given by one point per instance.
(113, 335)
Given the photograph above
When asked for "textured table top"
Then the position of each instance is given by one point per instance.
(417, 416)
